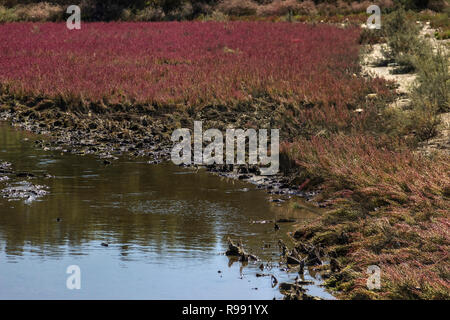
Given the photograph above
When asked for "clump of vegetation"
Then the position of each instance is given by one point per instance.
(402, 40)
(370, 36)
(430, 94)
(238, 7)
(36, 12)
(7, 15)
(433, 78)
(390, 209)
(443, 35)
(40, 12)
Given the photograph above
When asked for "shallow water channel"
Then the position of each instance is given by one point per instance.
(166, 228)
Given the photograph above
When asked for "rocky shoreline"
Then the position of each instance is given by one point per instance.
(109, 135)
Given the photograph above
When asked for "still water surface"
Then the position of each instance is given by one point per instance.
(166, 227)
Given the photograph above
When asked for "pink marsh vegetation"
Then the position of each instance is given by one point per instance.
(185, 63)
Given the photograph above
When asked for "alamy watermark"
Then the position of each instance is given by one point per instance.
(374, 279)
(74, 280)
(374, 21)
(213, 153)
(74, 20)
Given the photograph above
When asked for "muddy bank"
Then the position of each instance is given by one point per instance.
(145, 133)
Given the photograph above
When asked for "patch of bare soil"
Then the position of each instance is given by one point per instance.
(371, 66)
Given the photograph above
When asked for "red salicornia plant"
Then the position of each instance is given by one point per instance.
(185, 63)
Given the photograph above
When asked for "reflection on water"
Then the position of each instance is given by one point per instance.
(166, 230)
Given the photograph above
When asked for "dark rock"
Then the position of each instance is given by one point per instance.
(284, 286)
(238, 250)
(233, 249)
(334, 265)
(302, 248)
(292, 260)
(262, 275)
(313, 258)
(243, 170)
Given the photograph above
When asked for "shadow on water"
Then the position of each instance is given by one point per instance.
(165, 226)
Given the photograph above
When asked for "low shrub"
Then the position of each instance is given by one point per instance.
(402, 39)
(238, 7)
(7, 15)
(433, 78)
(443, 35)
(285, 7)
(40, 12)
(149, 14)
(370, 36)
